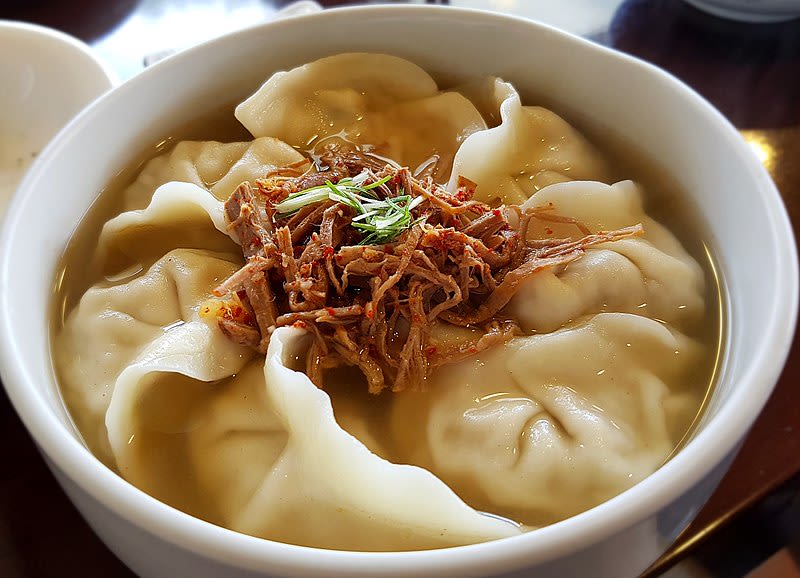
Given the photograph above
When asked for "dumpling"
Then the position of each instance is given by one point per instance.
(121, 320)
(161, 263)
(531, 148)
(331, 93)
(651, 275)
(372, 99)
(311, 483)
(412, 132)
(180, 215)
(555, 423)
(218, 167)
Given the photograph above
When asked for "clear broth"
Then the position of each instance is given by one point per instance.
(77, 273)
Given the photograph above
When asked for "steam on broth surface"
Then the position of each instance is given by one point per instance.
(605, 364)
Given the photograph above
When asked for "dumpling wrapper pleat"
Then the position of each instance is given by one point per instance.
(326, 489)
(531, 147)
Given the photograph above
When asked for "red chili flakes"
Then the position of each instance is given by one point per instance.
(473, 349)
(466, 188)
(330, 311)
(299, 324)
(549, 231)
(328, 251)
(430, 350)
(497, 212)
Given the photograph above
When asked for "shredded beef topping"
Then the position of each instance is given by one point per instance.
(456, 260)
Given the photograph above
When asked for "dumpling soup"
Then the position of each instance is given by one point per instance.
(387, 317)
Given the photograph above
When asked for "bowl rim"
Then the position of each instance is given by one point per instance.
(709, 448)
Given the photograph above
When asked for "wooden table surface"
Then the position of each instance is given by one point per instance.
(750, 72)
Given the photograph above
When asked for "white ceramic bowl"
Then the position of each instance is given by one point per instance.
(748, 226)
(48, 77)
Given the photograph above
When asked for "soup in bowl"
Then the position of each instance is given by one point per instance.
(330, 304)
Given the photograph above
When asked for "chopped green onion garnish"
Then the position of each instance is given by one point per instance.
(379, 220)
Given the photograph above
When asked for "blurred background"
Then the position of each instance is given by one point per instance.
(749, 69)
